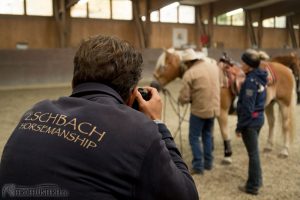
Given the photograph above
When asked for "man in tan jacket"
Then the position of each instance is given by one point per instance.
(201, 88)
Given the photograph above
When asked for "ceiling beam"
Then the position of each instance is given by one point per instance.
(70, 3)
(196, 2)
(220, 7)
(296, 18)
(157, 4)
(280, 9)
(262, 4)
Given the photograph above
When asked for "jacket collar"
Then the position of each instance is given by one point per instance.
(91, 88)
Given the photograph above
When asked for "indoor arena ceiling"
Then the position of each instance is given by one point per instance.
(269, 8)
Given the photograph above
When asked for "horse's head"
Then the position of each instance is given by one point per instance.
(295, 64)
(167, 68)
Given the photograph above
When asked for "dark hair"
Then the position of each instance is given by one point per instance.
(108, 60)
(251, 58)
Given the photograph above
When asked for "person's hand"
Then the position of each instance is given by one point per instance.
(238, 134)
(151, 108)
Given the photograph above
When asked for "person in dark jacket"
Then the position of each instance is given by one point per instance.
(250, 111)
(92, 144)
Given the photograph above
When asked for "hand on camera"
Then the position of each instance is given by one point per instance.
(153, 107)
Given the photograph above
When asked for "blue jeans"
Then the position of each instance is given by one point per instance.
(250, 139)
(201, 129)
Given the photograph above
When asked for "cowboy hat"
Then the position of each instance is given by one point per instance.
(190, 54)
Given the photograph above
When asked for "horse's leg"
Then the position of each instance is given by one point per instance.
(226, 99)
(271, 121)
(298, 89)
(286, 129)
(223, 123)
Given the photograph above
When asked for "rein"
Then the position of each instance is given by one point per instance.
(176, 108)
(271, 74)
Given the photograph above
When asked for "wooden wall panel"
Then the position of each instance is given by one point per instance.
(162, 34)
(38, 32)
(42, 32)
(41, 67)
(229, 37)
(275, 38)
(49, 67)
(83, 28)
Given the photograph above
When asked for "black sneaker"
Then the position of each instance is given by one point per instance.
(196, 172)
(245, 190)
(208, 167)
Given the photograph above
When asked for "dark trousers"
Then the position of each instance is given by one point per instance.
(250, 139)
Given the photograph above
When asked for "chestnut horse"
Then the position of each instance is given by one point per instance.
(281, 91)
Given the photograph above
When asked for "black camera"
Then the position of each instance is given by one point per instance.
(146, 96)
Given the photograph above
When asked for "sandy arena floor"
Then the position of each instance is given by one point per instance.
(281, 176)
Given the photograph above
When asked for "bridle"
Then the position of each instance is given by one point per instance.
(182, 69)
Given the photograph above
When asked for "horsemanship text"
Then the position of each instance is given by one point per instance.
(85, 134)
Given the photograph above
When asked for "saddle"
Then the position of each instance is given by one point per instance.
(233, 78)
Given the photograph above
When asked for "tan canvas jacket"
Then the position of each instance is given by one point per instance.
(201, 88)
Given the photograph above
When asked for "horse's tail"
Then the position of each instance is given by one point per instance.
(292, 112)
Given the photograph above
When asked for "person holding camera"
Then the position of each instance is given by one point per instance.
(92, 144)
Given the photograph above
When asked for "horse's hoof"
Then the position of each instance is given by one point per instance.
(226, 161)
(284, 154)
(267, 150)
